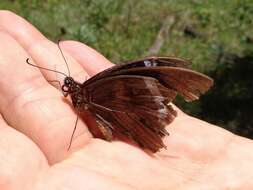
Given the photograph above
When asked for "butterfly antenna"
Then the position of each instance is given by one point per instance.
(27, 61)
(63, 56)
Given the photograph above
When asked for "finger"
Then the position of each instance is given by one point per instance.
(44, 52)
(16, 153)
(92, 61)
(34, 107)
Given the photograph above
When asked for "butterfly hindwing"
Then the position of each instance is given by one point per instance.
(134, 105)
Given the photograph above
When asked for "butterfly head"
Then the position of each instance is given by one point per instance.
(70, 86)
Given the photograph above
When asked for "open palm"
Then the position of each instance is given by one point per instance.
(37, 123)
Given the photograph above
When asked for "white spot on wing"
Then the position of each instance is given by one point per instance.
(148, 63)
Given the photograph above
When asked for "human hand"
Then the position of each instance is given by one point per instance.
(36, 126)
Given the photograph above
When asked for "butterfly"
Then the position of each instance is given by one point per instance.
(133, 99)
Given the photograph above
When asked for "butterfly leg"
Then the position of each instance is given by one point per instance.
(74, 130)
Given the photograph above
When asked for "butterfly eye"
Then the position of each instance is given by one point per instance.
(68, 81)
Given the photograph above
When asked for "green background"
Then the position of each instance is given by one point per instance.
(216, 35)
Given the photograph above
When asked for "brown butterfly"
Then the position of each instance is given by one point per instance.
(132, 99)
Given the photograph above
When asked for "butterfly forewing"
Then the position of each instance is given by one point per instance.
(188, 83)
(170, 71)
(142, 63)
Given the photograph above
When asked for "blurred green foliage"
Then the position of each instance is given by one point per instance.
(216, 35)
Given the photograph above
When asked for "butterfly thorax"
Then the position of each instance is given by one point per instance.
(74, 89)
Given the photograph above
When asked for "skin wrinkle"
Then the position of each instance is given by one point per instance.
(51, 137)
(47, 62)
(196, 171)
(80, 76)
(88, 57)
(24, 29)
(33, 46)
(111, 177)
(208, 155)
(40, 48)
(21, 147)
(108, 176)
(96, 173)
(197, 175)
(194, 177)
(111, 157)
(233, 142)
(22, 95)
